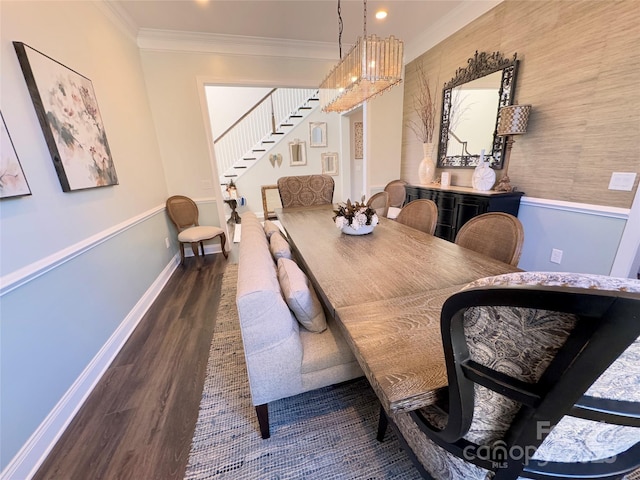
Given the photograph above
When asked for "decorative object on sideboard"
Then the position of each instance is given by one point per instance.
(483, 176)
(427, 167)
(371, 67)
(486, 76)
(423, 125)
(13, 183)
(445, 179)
(513, 121)
(355, 218)
(68, 113)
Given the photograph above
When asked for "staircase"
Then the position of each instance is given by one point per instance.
(250, 139)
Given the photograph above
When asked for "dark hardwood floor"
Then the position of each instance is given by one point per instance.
(139, 420)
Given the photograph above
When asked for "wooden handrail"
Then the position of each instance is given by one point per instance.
(245, 115)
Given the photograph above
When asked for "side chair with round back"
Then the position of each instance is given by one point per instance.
(397, 196)
(380, 203)
(183, 213)
(420, 214)
(495, 234)
(306, 190)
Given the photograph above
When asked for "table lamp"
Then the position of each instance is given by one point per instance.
(513, 121)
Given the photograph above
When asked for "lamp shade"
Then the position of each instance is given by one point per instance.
(513, 119)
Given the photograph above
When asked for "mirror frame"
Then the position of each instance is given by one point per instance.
(480, 65)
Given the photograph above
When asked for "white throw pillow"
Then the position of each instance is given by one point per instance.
(300, 296)
(279, 246)
(270, 228)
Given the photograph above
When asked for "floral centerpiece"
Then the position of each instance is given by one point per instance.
(355, 218)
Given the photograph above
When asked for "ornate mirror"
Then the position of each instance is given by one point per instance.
(471, 103)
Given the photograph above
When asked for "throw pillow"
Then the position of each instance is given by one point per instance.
(300, 296)
(279, 246)
(270, 228)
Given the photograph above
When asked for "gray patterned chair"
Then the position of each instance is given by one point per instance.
(306, 190)
(544, 381)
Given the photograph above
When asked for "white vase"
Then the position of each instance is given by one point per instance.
(427, 168)
(483, 177)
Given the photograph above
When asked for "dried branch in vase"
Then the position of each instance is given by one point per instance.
(425, 108)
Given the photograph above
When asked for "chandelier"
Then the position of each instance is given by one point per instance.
(371, 67)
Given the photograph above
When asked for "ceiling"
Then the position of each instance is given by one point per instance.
(301, 20)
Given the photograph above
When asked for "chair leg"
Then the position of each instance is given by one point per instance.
(202, 248)
(196, 253)
(181, 253)
(223, 243)
(383, 423)
(263, 419)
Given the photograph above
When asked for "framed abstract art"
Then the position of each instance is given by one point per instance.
(67, 110)
(13, 183)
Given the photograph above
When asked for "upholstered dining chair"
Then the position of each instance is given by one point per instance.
(380, 203)
(420, 214)
(543, 381)
(306, 190)
(183, 213)
(397, 196)
(495, 234)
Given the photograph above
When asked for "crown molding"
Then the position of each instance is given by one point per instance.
(173, 41)
(119, 17)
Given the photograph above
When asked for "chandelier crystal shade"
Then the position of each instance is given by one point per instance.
(372, 66)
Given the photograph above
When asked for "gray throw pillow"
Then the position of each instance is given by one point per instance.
(279, 247)
(270, 228)
(301, 296)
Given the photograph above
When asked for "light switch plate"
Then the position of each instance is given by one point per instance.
(622, 181)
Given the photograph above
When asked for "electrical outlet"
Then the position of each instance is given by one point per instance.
(166, 242)
(622, 181)
(556, 256)
(206, 184)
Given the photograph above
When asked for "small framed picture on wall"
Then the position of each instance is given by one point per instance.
(330, 163)
(317, 134)
(298, 153)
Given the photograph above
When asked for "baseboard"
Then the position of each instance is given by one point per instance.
(27, 461)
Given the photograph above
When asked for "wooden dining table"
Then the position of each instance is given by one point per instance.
(386, 290)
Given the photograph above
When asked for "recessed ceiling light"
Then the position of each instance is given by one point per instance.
(380, 14)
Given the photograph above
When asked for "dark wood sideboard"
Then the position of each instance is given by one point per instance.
(458, 205)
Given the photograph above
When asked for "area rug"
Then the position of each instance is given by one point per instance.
(329, 433)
